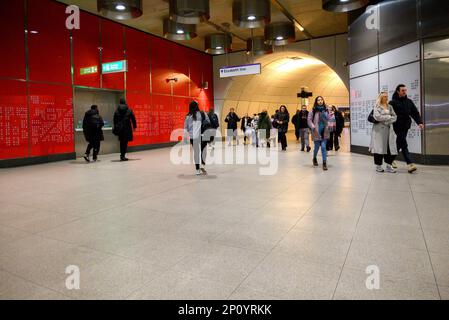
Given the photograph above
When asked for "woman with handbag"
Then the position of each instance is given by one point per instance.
(195, 125)
(383, 137)
(318, 121)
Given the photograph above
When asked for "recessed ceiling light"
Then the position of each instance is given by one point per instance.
(219, 48)
(251, 18)
(180, 31)
(120, 7)
(34, 32)
(279, 38)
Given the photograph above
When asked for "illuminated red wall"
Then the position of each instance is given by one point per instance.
(36, 90)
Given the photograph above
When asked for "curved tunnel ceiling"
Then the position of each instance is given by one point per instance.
(283, 75)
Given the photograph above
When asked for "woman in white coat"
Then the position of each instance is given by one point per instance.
(383, 138)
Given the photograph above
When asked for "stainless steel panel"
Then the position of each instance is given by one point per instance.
(362, 36)
(436, 74)
(107, 102)
(398, 24)
(436, 48)
(434, 16)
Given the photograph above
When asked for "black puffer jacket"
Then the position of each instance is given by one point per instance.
(92, 126)
(405, 109)
(283, 117)
(232, 120)
(124, 123)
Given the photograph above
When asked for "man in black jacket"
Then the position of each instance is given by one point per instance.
(93, 132)
(302, 127)
(124, 125)
(405, 110)
(232, 119)
(215, 123)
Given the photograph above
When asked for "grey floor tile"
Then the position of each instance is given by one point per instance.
(440, 263)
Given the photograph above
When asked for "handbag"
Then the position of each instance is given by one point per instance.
(371, 118)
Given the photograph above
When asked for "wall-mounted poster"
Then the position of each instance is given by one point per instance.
(410, 76)
(364, 92)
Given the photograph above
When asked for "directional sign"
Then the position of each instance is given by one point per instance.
(114, 67)
(243, 70)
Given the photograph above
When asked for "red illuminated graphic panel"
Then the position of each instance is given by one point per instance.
(181, 71)
(48, 42)
(113, 50)
(197, 60)
(138, 56)
(161, 65)
(162, 122)
(180, 110)
(12, 33)
(86, 43)
(51, 115)
(13, 120)
(140, 103)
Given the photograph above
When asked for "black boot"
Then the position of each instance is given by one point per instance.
(324, 166)
(315, 162)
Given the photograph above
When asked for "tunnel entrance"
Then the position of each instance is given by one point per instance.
(283, 75)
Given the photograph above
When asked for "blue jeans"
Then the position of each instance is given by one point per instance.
(322, 144)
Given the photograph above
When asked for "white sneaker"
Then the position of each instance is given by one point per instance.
(203, 171)
(380, 169)
(394, 165)
(390, 169)
(412, 168)
(198, 173)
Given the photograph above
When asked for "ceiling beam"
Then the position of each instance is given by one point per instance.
(290, 17)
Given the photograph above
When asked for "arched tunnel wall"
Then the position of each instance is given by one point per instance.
(322, 68)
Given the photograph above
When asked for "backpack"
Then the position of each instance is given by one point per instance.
(205, 125)
(214, 121)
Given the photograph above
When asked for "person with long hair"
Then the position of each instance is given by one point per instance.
(383, 137)
(194, 123)
(282, 119)
(318, 121)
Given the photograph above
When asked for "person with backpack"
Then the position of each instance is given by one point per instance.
(198, 126)
(318, 122)
(93, 132)
(215, 124)
(124, 125)
(282, 119)
(405, 110)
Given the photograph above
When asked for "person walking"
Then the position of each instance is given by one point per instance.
(295, 121)
(195, 125)
(282, 120)
(255, 130)
(215, 124)
(383, 137)
(340, 125)
(246, 128)
(232, 119)
(318, 122)
(264, 127)
(93, 132)
(332, 127)
(405, 110)
(304, 131)
(124, 125)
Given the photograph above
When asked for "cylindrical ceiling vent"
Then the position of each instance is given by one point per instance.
(251, 13)
(343, 5)
(120, 9)
(280, 33)
(189, 11)
(257, 46)
(218, 43)
(178, 31)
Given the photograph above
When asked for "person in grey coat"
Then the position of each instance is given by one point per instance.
(383, 138)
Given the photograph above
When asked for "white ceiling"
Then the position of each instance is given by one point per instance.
(308, 12)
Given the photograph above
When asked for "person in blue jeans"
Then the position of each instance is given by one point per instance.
(318, 121)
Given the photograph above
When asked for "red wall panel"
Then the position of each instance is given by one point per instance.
(49, 48)
(181, 70)
(161, 118)
(113, 50)
(12, 33)
(13, 119)
(196, 72)
(140, 103)
(161, 70)
(138, 56)
(51, 116)
(86, 52)
(180, 110)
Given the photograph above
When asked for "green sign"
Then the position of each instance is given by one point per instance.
(116, 66)
(88, 70)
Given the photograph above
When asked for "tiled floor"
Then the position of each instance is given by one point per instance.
(149, 229)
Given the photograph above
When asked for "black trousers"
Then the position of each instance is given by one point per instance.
(297, 133)
(388, 158)
(283, 140)
(123, 148)
(95, 145)
(333, 141)
(199, 152)
(402, 144)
